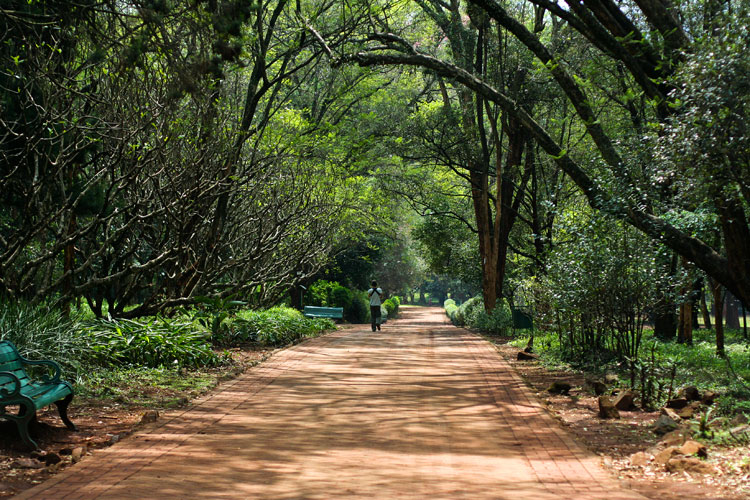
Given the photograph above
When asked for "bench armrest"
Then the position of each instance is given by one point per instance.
(5, 393)
(46, 378)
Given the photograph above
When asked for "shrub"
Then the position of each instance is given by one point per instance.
(40, 332)
(340, 297)
(320, 293)
(497, 321)
(152, 343)
(275, 327)
(472, 314)
(390, 307)
(450, 309)
(359, 309)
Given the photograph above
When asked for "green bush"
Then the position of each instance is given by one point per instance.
(391, 308)
(359, 309)
(274, 327)
(472, 314)
(153, 342)
(450, 309)
(320, 293)
(497, 321)
(341, 297)
(332, 294)
(40, 332)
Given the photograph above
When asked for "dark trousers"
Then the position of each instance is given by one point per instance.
(375, 316)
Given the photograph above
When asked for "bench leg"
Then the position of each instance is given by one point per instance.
(62, 408)
(25, 416)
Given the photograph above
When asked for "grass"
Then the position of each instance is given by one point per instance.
(160, 361)
(696, 365)
(147, 387)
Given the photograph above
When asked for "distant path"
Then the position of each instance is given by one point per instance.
(421, 410)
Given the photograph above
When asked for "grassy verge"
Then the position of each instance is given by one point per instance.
(696, 365)
(156, 361)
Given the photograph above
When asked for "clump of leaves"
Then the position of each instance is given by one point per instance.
(152, 342)
(273, 327)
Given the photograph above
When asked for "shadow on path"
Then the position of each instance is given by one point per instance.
(419, 410)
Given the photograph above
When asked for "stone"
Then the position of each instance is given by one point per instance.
(527, 356)
(690, 464)
(691, 393)
(665, 455)
(709, 397)
(689, 411)
(674, 438)
(740, 431)
(664, 424)
(669, 412)
(640, 459)
(150, 416)
(677, 403)
(76, 454)
(596, 386)
(113, 439)
(27, 463)
(611, 379)
(559, 388)
(694, 448)
(52, 458)
(607, 408)
(624, 400)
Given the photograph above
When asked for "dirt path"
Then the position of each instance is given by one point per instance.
(420, 410)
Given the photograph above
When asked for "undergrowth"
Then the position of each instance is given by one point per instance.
(696, 365)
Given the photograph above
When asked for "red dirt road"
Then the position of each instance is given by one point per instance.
(420, 410)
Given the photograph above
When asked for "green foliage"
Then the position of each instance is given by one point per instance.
(599, 284)
(332, 294)
(277, 326)
(695, 365)
(391, 307)
(359, 309)
(212, 313)
(473, 315)
(450, 309)
(42, 332)
(320, 293)
(142, 386)
(153, 342)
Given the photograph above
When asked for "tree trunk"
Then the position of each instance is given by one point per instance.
(704, 310)
(685, 327)
(718, 296)
(731, 311)
(295, 296)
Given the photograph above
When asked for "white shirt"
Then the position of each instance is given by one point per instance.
(374, 297)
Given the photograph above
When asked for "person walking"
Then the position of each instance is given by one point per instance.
(374, 293)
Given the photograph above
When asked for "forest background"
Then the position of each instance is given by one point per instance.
(171, 169)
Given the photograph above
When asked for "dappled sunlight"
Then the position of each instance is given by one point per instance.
(419, 410)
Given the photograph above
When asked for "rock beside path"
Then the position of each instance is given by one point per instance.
(625, 400)
(665, 423)
(607, 408)
(690, 464)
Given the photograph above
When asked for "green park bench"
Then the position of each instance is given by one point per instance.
(324, 312)
(17, 389)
